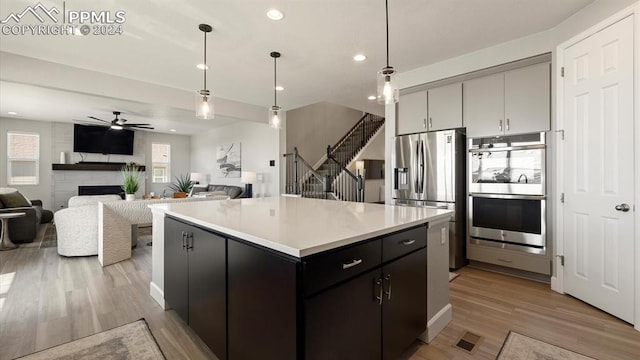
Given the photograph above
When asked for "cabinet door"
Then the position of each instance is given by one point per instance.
(263, 309)
(404, 311)
(412, 113)
(483, 106)
(528, 99)
(176, 286)
(445, 107)
(344, 322)
(207, 289)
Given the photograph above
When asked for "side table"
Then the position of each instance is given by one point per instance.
(5, 240)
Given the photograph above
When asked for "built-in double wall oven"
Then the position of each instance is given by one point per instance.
(507, 194)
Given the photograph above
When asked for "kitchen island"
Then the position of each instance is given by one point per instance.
(296, 278)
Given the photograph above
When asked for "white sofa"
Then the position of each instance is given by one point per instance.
(77, 225)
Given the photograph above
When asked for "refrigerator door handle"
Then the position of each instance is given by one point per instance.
(415, 167)
(421, 172)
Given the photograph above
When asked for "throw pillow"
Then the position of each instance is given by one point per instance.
(14, 199)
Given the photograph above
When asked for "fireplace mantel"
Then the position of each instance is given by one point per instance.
(89, 167)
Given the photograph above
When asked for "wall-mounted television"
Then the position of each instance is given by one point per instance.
(102, 140)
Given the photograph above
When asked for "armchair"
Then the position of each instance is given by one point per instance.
(77, 225)
(24, 229)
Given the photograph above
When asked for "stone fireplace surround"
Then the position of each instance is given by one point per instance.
(66, 182)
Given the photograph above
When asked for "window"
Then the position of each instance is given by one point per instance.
(161, 158)
(23, 158)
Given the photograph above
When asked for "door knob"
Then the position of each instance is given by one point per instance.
(623, 207)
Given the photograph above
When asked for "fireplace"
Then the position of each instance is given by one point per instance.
(101, 190)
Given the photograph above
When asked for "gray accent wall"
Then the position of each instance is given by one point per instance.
(311, 128)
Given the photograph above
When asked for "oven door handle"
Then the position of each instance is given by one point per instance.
(509, 148)
(508, 196)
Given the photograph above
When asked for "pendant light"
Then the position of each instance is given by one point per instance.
(387, 90)
(204, 99)
(275, 121)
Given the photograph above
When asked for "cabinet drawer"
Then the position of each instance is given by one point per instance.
(540, 264)
(404, 242)
(323, 270)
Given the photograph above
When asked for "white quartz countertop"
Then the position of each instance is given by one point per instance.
(301, 226)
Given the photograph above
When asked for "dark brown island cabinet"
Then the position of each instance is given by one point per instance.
(367, 300)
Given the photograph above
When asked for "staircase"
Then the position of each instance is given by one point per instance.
(332, 179)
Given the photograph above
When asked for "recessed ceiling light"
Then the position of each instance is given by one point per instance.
(172, 130)
(275, 14)
(279, 88)
(371, 97)
(12, 113)
(359, 57)
(202, 67)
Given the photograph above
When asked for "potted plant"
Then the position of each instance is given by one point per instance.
(182, 186)
(130, 181)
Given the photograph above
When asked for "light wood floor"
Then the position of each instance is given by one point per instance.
(46, 300)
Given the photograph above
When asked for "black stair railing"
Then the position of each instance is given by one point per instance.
(345, 185)
(302, 179)
(333, 176)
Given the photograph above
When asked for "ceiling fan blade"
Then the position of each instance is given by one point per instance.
(95, 118)
(138, 124)
(141, 127)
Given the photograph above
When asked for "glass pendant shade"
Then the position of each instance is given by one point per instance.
(387, 88)
(204, 104)
(275, 117)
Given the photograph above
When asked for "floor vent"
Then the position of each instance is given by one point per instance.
(468, 342)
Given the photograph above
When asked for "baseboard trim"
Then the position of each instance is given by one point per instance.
(437, 323)
(158, 295)
(556, 284)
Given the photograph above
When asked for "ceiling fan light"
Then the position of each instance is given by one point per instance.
(204, 104)
(116, 127)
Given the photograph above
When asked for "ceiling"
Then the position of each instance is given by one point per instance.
(161, 44)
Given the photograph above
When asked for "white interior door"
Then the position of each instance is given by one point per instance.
(599, 170)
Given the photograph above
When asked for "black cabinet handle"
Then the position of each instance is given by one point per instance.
(190, 241)
(388, 291)
(408, 242)
(377, 291)
(184, 240)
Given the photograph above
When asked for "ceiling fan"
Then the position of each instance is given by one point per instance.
(121, 123)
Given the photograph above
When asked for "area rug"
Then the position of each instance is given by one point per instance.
(452, 276)
(521, 347)
(131, 341)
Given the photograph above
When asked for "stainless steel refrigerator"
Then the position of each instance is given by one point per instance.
(429, 169)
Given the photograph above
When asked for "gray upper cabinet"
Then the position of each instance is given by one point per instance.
(483, 106)
(412, 113)
(513, 102)
(527, 99)
(445, 107)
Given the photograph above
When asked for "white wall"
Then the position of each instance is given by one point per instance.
(539, 43)
(42, 191)
(259, 144)
(180, 158)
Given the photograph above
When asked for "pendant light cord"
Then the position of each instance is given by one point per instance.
(386, 6)
(205, 60)
(275, 81)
